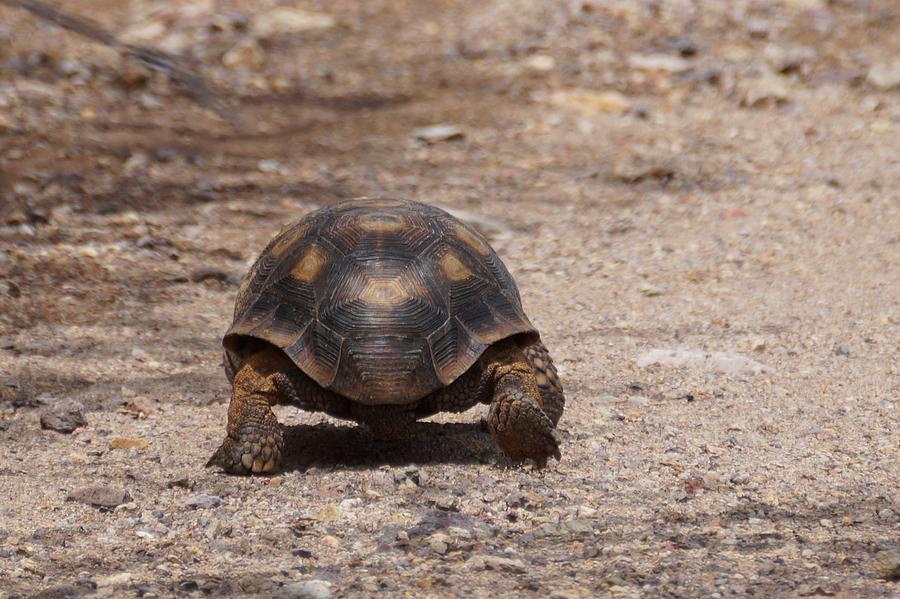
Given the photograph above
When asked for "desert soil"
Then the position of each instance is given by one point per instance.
(698, 199)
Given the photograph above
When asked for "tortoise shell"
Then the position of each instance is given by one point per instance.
(382, 301)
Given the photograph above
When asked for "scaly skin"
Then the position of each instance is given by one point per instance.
(516, 377)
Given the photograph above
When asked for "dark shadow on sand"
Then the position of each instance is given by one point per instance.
(354, 447)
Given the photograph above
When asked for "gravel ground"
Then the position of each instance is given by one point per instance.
(698, 199)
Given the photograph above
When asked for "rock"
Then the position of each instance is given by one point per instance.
(10, 289)
(330, 541)
(578, 526)
(499, 564)
(436, 133)
(122, 578)
(805, 4)
(229, 20)
(306, 589)
(125, 443)
(284, 20)
(136, 408)
(203, 501)
(447, 503)
(135, 163)
(269, 166)
(757, 29)
(841, 350)
(739, 479)
(788, 59)
(649, 289)
(143, 31)
(589, 102)
(541, 63)
(64, 416)
(132, 75)
(329, 513)
(767, 89)
(729, 363)
(886, 564)
(439, 543)
(246, 53)
(658, 62)
(684, 45)
(885, 76)
(203, 274)
(99, 496)
(634, 169)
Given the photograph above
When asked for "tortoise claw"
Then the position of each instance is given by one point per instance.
(523, 430)
(256, 455)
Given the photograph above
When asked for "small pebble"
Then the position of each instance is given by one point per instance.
(500, 564)
(99, 496)
(436, 133)
(885, 76)
(203, 501)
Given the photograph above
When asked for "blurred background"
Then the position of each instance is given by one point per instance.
(332, 89)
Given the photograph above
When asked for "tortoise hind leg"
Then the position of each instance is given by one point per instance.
(254, 441)
(553, 400)
(266, 377)
(525, 405)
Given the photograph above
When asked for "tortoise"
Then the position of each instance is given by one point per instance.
(382, 312)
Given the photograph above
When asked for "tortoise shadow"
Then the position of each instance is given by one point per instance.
(354, 447)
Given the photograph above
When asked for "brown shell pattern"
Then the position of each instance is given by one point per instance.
(382, 301)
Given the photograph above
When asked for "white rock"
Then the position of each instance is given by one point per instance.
(269, 166)
(144, 32)
(590, 102)
(435, 133)
(769, 88)
(203, 501)
(306, 589)
(245, 53)
(284, 20)
(885, 76)
(729, 363)
(649, 289)
(114, 580)
(541, 62)
(658, 62)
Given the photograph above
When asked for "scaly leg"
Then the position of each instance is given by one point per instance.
(253, 442)
(517, 378)
(266, 377)
(553, 400)
(524, 406)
